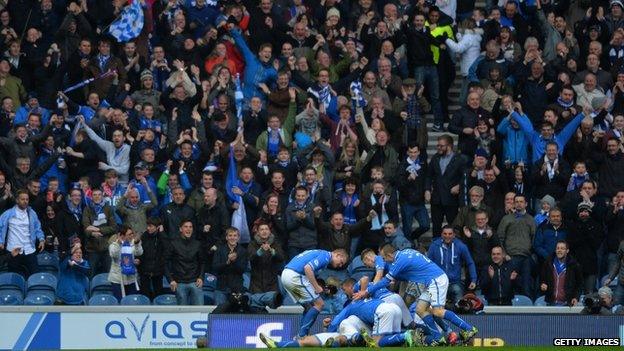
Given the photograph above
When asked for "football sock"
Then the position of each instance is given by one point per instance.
(307, 321)
(433, 328)
(392, 340)
(287, 343)
(453, 318)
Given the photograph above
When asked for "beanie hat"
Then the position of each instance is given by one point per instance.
(332, 12)
(146, 74)
(549, 200)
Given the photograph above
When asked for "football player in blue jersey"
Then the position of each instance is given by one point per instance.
(299, 280)
(412, 266)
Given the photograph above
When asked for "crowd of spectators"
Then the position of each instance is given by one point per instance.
(319, 110)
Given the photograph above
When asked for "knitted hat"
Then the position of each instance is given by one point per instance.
(146, 74)
(332, 12)
(584, 206)
(617, 2)
(549, 200)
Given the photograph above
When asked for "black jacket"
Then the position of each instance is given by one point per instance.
(466, 117)
(230, 275)
(152, 260)
(412, 191)
(418, 44)
(585, 238)
(555, 187)
(441, 184)
(173, 214)
(265, 265)
(217, 218)
(184, 260)
(573, 279)
(498, 290)
(480, 246)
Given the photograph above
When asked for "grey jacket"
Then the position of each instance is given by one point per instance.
(517, 234)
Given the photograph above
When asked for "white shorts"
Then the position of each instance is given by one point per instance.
(323, 337)
(351, 326)
(396, 299)
(298, 286)
(436, 291)
(387, 319)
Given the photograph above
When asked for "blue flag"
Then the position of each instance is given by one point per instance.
(239, 216)
(130, 23)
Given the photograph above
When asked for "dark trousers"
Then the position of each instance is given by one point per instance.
(524, 265)
(438, 213)
(129, 289)
(24, 264)
(151, 285)
(100, 262)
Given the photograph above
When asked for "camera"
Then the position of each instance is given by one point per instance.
(592, 304)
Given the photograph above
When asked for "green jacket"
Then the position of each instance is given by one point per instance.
(136, 218)
(107, 228)
(14, 89)
(286, 132)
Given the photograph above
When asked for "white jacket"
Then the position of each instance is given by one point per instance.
(469, 47)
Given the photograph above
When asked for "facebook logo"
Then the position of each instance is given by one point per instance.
(266, 329)
(243, 332)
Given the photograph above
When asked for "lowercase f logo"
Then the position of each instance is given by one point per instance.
(265, 329)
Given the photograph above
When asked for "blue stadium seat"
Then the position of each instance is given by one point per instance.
(48, 263)
(101, 285)
(38, 299)
(8, 298)
(521, 300)
(541, 301)
(42, 282)
(167, 299)
(103, 300)
(12, 282)
(135, 299)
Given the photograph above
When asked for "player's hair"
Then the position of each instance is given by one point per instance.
(366, 252)
(387, 249)
(341, 252)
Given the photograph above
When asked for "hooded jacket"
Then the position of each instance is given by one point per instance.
(546, 239)
(573, 279)
(451, 258)
(469, 47)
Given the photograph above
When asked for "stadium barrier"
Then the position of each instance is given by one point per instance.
(124, 327)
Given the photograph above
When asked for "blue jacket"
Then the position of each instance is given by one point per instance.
(21, 116)
(546, 238)
(515, 142)
(34, 225)
(450, 259)
(204, 17)
(256, 72)
(73, 282)
(53, 171)
(538, 142)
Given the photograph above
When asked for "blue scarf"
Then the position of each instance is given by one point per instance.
(349, 210)
(564, 103)
(576, 181)
(97, 208)
(76, 211)
(560, 267)
(273, 142)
